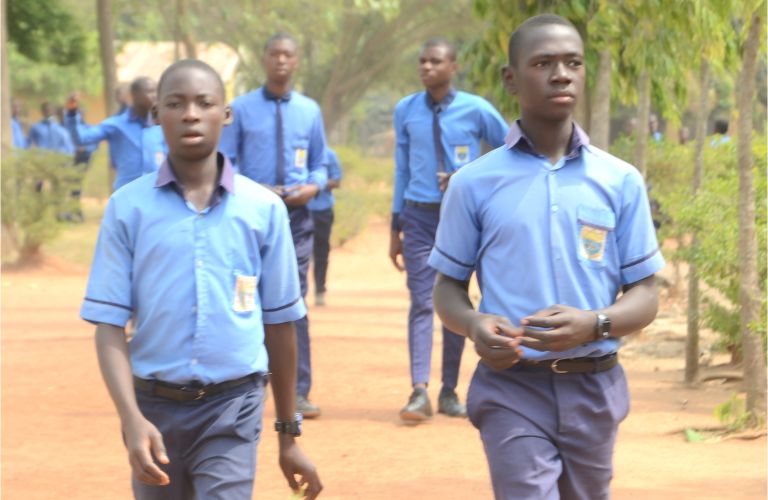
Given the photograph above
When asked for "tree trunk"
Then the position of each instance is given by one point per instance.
(190, 49)
(692, 338)
(600, 115)
(5, 106)
(749, 288)
(108, 69)
(643, 114)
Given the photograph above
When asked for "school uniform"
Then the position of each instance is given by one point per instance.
(19, 140)
(431, 138)
(538, 234)
(280, 141)
(321, 208)
(136, 145)
(198, 286)
(48, 134)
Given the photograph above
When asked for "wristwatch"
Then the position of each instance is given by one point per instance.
(292, 428)
(602, 327)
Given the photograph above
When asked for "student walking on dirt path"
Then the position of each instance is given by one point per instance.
(202, 261)
(321, 208)
(277, 139)
(136, 144)
(561, 237)
(438, 131)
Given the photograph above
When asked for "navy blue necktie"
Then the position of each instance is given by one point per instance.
(439, 154)
(279, 141)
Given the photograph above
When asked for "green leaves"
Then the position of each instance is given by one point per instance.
(44, 31)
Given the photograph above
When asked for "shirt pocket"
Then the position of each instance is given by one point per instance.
(245, 288)
(596, 236)
(300, 149)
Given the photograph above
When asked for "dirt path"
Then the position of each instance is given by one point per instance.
(60, 434)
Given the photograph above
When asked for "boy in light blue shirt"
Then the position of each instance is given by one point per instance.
(438, 131)
(201, 260)
(560, 235)
(277, 139)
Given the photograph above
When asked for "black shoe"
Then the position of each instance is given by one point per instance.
(307, 409)
(448, 404)
(418, 408)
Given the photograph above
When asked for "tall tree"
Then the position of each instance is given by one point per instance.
(5, 98)
(108, 66)
(749, 289)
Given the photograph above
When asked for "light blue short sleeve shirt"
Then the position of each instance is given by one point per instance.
(250, 140)
(539, 234)
(465, 120)
(198, 285)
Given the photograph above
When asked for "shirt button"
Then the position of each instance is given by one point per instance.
(555, 208)
(199, 263)
(193, 362)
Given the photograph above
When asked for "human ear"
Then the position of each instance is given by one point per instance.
(228, 116)
(153, 111)
(508, 79)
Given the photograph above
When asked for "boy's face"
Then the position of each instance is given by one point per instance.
(191, 110)
(146, 96)
(548, 77)
(435, 66)
(280, 60)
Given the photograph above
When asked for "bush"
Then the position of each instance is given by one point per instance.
(36, 187)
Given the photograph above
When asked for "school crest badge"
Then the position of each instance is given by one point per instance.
(245, 294)
(300, 159)
(460, 155)
(593, 243)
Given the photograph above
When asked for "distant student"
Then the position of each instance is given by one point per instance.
(50, 134)
(277, 139)
(201, 260)
(19, 138)
(438, 131)
(321, 208)
(721, 133)
(560, 235)
(136, 144)
(653, 128)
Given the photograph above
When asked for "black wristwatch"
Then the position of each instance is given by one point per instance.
(292, 428)
(602, 327)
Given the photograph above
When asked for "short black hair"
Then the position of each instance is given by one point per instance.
(278, 37)
(191, 63)
(721, 127)
(441, 42)
(140, 83)
(530, 24)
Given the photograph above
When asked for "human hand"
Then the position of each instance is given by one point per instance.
(566, 327)
(442, 180)
(297, 196)
(395, 249)
(496, 340)
(294, 462)
(142, 439)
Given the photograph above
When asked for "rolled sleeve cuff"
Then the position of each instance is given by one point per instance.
(291, 311)
(100, 311)
(642, 267)
(450, 266)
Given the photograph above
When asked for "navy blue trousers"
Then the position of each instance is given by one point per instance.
(323, 221)
(548, 436)
(211, 443)
(419, 227)
(301, 229)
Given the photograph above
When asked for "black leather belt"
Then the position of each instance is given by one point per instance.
(419, 204)
(185, 393)
(575, 365)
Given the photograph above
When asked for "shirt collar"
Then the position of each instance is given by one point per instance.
(166, 177)
(517, 138)
(444, 103)
(273, 97)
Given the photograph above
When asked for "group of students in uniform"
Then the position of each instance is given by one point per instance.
(207, 256)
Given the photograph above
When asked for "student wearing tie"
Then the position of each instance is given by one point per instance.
(277, 139)
(438, 131)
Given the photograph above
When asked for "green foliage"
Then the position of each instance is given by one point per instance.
(45, 31)
(36, 186)
(733, 414)
(365, 193)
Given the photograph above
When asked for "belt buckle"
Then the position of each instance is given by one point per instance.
(554, 367)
